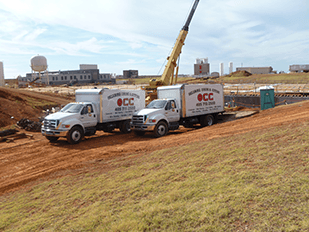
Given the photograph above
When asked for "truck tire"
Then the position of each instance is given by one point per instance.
(139, 133)
(188, 125)
(52, 139)
(161, 129)
(207, 120)
(125, 127)
(75, 135)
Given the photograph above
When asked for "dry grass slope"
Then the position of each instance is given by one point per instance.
(257, 181)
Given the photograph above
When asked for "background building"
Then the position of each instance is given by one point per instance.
(299, 68)
(221, 68)
(201, 67)
(130, 74)
(1, 74)
(88, 66)
(85, 75)
(230, 67)
(256, 70)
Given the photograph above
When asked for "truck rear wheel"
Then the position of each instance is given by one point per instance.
(161, 129)
(75, 135)
(188, 125)
(207, 120)
(125, 127)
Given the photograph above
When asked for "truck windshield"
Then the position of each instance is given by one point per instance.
(157, 104)
(72, 108)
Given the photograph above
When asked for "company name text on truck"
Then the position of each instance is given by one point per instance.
(94, 109)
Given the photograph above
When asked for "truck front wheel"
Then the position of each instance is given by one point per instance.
(161, 129)
(75, 135)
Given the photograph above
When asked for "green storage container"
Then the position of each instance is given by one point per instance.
(267, 98)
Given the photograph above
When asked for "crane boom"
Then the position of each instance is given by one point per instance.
(167, 77)
(186, 26)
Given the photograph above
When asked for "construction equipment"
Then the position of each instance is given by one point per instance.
(169, 77)
(30, 83)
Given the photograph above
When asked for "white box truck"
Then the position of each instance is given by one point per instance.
(180, 105)
(94, 109)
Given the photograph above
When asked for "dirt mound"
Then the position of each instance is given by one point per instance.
(13, 108)
(17, 104)
(243, 73)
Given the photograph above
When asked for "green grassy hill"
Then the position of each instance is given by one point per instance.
(249, 182)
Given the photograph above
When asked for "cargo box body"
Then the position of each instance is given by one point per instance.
(195, 100)
(112, 104)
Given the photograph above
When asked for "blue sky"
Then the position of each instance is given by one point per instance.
(133, 34)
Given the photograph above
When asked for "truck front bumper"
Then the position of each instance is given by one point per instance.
(53, 133)
(143, 127)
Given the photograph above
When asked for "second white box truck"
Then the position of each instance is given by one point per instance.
(180, 105)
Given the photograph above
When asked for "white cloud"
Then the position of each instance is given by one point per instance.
(132, 32)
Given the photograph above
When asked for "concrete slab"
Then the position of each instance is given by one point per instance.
(243, 114)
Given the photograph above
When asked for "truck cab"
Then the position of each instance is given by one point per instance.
(159, 116)
(73, 121)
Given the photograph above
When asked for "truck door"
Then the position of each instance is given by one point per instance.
(172, 111)
(88, 117)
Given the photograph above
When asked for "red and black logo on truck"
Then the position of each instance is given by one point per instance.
(125, 102)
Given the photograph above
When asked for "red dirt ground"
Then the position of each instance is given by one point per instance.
(26, 160)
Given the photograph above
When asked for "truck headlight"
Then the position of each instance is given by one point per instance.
(65, 126)
(152, 120)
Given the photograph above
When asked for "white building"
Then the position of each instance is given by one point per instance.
(221, 68)
(1, 74)
(230, 67)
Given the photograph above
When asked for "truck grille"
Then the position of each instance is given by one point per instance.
(50, 124)
(137, 119)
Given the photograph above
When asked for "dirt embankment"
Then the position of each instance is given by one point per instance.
(27, 160)
(17, 104)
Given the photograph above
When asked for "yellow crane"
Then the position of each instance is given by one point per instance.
(169, 77)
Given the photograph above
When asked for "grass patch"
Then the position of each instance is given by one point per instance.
(39, 103)
(140, 81)
(286, 78)
(255, 181)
